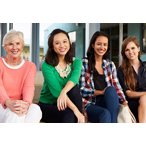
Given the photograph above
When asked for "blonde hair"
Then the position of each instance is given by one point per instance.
(11, 36)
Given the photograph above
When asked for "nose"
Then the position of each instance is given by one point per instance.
(14, 47)
(61, 44)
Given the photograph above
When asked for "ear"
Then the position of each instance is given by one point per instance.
(139, 49)
(92, 46)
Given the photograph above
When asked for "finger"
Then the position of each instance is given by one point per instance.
(58, 105)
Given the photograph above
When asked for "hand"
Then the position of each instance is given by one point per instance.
(80, 117)
(61, 101)
(19, 107)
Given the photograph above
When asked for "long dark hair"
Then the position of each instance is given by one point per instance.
(90, 51)
(51, 57)
(129, 78)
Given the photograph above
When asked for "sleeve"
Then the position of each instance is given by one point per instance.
(28, 88)
(85, 88)
(76, 73)
(120, 75)
(3, 93)
(117, 84)
(52, 82)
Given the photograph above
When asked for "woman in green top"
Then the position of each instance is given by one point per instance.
(60, 98)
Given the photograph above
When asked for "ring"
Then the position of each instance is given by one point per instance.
(60, 103)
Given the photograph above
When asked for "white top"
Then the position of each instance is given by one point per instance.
(14, 67)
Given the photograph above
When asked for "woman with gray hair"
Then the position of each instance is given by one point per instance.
(17, 78)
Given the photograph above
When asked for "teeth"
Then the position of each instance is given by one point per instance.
(62, 50)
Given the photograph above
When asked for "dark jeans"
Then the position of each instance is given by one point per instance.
(106, 108)
(51, 114)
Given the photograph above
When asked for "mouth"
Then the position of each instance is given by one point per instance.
(101, 51)
(131, 55)
(14, 52)
(62, 50)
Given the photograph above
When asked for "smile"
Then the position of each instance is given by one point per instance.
(62, 50)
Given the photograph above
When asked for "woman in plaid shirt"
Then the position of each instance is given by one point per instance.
(98, 83)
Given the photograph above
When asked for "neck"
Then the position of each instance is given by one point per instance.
(61, 58)
(134, 62)
(13, 61)
(98, 59)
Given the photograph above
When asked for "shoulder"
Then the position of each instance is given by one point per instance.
(108, 63)
(28, 63)
(29, 66)
(77, 62)
(46, 66)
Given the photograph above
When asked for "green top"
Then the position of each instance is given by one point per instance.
(53, 83)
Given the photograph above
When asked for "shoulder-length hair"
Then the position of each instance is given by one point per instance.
(51, 57)
(90, 51)
(129, 79)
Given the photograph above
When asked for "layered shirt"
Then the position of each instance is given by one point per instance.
(86, 81)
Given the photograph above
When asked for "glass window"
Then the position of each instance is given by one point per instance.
(72, 36)
(25, 28)
(144, 41)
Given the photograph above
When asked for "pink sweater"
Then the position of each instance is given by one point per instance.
(17, 84)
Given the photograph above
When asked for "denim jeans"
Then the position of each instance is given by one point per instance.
(106, 108)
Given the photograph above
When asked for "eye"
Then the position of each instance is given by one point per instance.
(126, 50)
(18, 43)
(133, 48)
(56, 43)
(105, 44)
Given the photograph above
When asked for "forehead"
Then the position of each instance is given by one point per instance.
(130, 44)
(102, 39)
(60, 36)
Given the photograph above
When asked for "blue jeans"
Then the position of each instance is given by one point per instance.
(106, 108)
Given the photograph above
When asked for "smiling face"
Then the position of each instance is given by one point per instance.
(131, 51)
(61, 44)
(100, 46)
(14, 48)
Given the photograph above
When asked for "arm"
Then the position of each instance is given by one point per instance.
(73, 80)
(133, 94)
(85, 82)
(49, 77)
(28, 88)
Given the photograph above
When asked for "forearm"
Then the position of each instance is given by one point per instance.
(68, 86)
(133, 94)
(98, 92)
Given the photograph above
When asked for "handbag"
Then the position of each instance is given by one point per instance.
(125, 115)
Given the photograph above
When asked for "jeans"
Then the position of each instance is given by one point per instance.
(51, 114)
(106, 108)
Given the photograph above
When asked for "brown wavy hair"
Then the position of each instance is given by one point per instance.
(90, 51)
(129, 78)
(51, 57)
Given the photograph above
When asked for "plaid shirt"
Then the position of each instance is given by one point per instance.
(86, 82)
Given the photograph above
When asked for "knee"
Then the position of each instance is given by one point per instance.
(35, 109)
(74, 91)
(142, 101)
(110, 90)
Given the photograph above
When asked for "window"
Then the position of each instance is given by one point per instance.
(25, 28)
